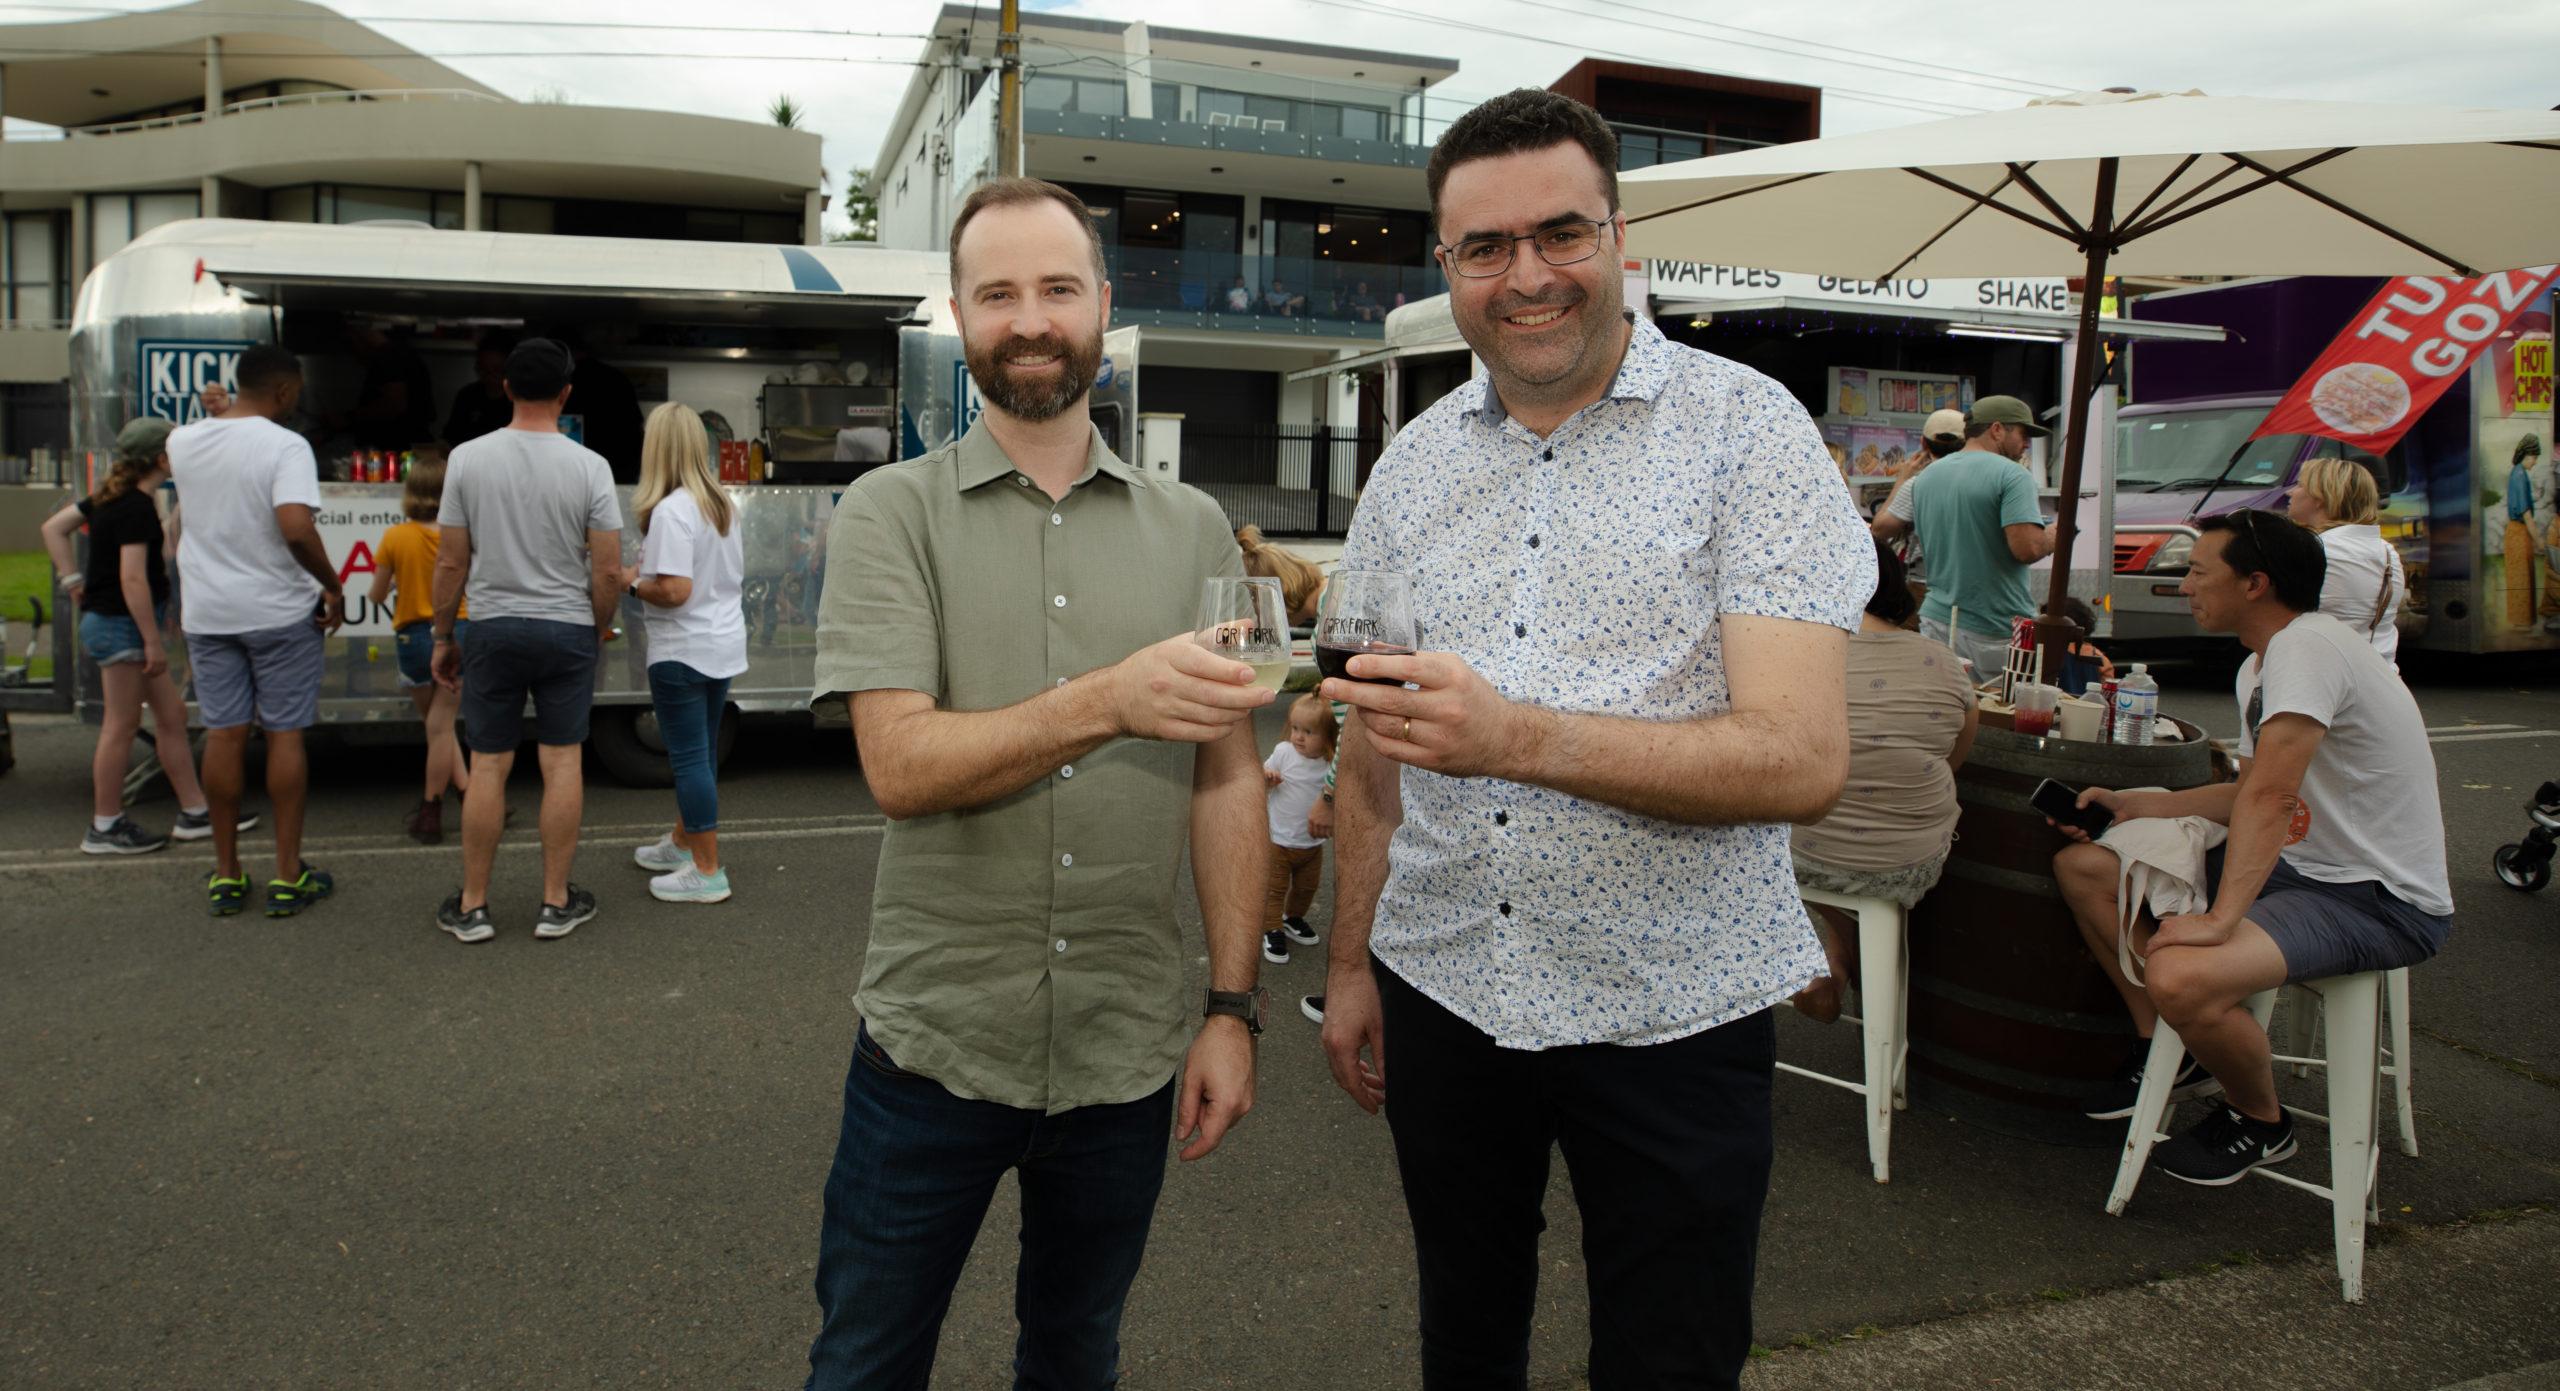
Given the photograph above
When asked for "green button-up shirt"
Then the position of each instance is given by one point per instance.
(1024, 952)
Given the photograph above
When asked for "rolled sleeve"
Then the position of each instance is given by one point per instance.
(1788, 541)
(879, 622)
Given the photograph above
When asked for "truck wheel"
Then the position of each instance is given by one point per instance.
(2518, 868)
(627, 743)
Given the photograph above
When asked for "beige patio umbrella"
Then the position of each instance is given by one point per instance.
(2147, 183)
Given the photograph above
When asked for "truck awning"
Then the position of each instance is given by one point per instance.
(1379, 358)
(536, 303)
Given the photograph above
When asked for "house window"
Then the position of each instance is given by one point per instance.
(38, 281)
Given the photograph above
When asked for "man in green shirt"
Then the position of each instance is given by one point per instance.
(998, 613)
(1976, 516)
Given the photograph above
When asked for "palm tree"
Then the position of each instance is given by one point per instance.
(786, 112)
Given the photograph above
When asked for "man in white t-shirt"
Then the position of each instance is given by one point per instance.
(260, 599)
(2335, 863)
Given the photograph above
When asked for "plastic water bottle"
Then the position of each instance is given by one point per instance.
(2137, 702)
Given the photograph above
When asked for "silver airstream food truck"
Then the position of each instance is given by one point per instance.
(818, 362)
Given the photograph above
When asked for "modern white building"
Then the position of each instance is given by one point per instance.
(1262, 205)
(286, 111)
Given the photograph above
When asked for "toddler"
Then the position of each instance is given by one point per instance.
(1295, 775)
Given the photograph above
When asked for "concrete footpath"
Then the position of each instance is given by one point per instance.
(2466, 1307)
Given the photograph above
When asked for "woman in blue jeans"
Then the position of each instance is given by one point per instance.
(692, 561)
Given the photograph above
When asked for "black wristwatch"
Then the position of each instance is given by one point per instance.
(1246, 1005)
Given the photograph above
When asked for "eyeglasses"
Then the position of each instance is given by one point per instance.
(1564, 244)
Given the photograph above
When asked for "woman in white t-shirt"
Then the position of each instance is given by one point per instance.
(2338, 500)
(692, 563)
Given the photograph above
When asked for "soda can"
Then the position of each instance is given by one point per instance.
(2107, 711)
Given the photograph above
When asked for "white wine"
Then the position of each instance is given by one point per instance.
(1271, 675)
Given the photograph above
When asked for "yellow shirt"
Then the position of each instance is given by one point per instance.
(408, 551)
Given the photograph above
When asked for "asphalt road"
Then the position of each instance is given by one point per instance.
(345, 1150)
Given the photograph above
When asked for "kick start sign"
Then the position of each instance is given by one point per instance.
(174, 375)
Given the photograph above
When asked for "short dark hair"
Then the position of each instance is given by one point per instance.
(265, 367)
(1976, 429)
(2274, 545)
(538, 369)
(1939, 446)
(1518, 122)
(1011, 193)
(1892, 600)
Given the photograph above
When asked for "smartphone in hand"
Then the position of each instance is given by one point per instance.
(2062, 804)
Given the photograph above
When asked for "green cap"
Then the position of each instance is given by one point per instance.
(143, 437)
(2004, 410)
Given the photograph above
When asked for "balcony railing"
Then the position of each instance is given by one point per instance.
(1318, 293)
(393, 94)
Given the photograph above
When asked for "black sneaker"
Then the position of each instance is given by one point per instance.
(1312, 1006)
(194, 825)
(1275, 947)
(225, 897)
(122, 838)
(1298, 931)
(286, 897)
(2115, 1102)
(473, 926)
(2225, 1146)
(563, 920)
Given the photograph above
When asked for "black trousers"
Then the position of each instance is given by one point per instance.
(1668, 1149)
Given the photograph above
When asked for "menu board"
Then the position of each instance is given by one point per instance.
(1894, 397)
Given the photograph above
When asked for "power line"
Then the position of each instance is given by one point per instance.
(2020, 85)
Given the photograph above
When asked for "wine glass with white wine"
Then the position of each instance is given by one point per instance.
(1246, 620)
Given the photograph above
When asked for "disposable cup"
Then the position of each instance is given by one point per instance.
(2078, 719)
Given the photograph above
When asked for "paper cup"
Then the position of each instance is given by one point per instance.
(2078, 719)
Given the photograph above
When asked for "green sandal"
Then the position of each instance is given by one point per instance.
(225, 897)
(286, 897)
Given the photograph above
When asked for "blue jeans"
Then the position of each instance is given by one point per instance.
(689, 707)
(914, 1171)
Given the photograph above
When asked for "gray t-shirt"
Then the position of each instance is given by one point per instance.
(529, 499)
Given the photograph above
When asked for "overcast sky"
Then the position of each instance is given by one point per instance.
(1878, 65)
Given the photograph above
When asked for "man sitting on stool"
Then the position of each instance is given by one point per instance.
(2335, 862)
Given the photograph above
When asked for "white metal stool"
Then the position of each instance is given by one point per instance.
(1883, 1016)
(2352, 1008)
(2302, 1022)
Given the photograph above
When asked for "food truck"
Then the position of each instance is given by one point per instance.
(810, 365)
(2478, 579)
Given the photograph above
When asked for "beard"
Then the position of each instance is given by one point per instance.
(1029, 399)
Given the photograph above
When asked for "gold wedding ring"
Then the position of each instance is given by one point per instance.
(1407, 733)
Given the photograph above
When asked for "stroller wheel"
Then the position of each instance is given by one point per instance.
(2520, 868)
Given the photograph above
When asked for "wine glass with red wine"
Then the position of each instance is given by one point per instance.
(1365, 613)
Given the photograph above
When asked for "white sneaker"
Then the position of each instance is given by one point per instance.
(663, 856)
(690, 885)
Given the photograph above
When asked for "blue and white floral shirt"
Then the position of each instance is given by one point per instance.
(1586, 573)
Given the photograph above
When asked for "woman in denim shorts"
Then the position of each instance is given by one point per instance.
(407, 564)
(123, 598)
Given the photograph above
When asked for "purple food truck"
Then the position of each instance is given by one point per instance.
(2480, 579)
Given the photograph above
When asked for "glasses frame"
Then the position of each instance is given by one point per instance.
(1511, 246)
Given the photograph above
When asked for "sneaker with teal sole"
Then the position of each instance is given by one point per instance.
(690, 885)
(286, 897)
(225, 897)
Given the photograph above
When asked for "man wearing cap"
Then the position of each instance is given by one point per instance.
(532, 532)
(1976, 518)
(1941, 436)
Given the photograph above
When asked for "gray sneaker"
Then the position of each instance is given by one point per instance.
(473, 926)
(122, 838)
(199, 825)
(563, 920)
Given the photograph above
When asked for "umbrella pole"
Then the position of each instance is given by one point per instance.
(2055, 633)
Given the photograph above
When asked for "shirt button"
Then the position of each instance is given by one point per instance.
(1551, 453)
(1059, 602)
(1018, 478)
(1505, 909)
(1062, 680)
(1061, 944)
(1519, 630)
(1056, 520)
(1066, 861)
(1068, 771)
(1502, 818)
(1533, 543)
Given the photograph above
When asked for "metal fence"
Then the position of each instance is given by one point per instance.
(1289, 480)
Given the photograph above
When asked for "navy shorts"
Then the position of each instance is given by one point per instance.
(417, 651)
(2327, 929)
(509, 659)
(272, 674)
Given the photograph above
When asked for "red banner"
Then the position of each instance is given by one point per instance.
(2399, 353)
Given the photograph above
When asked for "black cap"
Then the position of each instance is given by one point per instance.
(538, 370)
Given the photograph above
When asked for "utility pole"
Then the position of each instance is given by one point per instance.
(1009, 99)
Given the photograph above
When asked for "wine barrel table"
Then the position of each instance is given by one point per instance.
(2011, 1020)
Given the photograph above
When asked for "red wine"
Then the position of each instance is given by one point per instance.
(1336, 661)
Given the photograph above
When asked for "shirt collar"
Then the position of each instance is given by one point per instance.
(1642, 373)
(983, 461)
